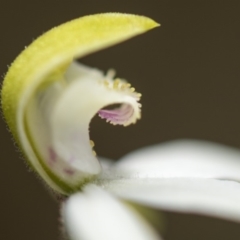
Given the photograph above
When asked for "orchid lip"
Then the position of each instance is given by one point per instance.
(61, 113)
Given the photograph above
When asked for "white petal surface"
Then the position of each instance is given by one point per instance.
(212, 197)
(182, 158)
(60, 116)
(86, 93)
(94, 214)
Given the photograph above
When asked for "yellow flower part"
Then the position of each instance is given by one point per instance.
(48, 100)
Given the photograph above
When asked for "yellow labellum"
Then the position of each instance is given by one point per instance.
(47, 58)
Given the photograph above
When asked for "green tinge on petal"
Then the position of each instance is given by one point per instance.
(46, 59)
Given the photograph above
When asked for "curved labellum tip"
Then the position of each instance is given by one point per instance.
(60, 116)
(48, 102)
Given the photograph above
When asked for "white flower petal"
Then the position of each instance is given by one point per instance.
(182, 158)
(94, 214)
(60, 116)
(212, 197)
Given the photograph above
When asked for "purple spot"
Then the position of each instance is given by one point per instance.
(71, 159)
(52, 155)
(68, 171)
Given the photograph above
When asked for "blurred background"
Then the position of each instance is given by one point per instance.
(188, 72)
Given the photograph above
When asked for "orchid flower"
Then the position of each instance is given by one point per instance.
(48, 100)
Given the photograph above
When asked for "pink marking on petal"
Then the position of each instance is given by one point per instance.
(68, 171)
(119, 115)
(52, 154)
(71, 159)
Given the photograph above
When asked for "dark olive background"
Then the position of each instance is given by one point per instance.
(188, 72)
